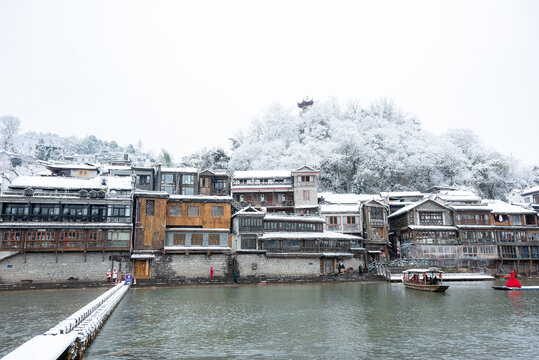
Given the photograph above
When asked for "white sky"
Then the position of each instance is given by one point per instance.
(188, 74)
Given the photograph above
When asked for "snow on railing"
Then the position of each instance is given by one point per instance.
(74, 333)
(72, 321)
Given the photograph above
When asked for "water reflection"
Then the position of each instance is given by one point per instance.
(317, 321)
(293, 321)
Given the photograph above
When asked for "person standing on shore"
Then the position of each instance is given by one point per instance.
(109, 275)
(115, 275)
(211, 272)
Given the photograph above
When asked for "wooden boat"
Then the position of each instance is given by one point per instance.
(509, 288)
(424, 279)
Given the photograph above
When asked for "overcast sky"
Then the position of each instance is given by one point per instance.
(188, 74)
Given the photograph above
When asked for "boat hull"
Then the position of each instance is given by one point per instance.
(426, 287)
(508, 288)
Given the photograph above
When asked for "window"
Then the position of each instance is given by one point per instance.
(119, 210)
(188, 179)
(516, 219)
(188, 191)
(248, 242)
(150, 206)
(178, 239)
(118, 239)
(95, 239)
(204, 182)
(75, 212)
(41, 238)
(167, 179)
(306, 195)
(306, 180)
(506, 236)
(377, 213)
(83, 172)
(167, 183)
(71, 239)
(430, 218)
(333, 220)
(11, 239)
(98, 212)
(465, 219)
(500, 218)
(176, 210)
(217, 211)
(214, 239)
(192, 211)
(196, 239)
(411, 218)
(219, 184)
(481, 219)
(143, 179)
(16, 209)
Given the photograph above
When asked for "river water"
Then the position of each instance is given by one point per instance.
(312, 321)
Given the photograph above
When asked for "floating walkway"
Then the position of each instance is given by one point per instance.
(70, 338)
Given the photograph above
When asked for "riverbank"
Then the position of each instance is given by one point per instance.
(197, 282)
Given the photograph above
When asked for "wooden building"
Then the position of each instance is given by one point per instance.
(399, 199)
(375, 229)
(517, 236)
(59, 214)
(179, 224)
(426, 230)
(247, 226)
(277, 190)
(73, 170)
(214, 182)
(477, 235)
(177, 181)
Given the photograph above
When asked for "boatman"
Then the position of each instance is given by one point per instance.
(512, 282)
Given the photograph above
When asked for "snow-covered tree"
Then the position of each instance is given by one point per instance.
(9, 127)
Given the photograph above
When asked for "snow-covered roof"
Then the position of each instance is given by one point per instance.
(179, 170)
(501, 207)
(455, 196)
(262, 174)
(530, 191)
(294, 218)
(413, 205)
(332, 198)
(329, 235)
(339, 208)
(477, 207)
(108, 167)
(72, 166)
(66, 225)
(402, 194)
(206, 198)
(218, 172)
(249, 210)
(69, 183)
(253, 187)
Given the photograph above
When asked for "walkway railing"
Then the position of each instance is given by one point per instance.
(70, 338)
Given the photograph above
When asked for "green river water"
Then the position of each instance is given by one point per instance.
(311, 321)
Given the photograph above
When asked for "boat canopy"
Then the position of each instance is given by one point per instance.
(430, 270)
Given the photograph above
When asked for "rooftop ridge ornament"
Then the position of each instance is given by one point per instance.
(305, 103)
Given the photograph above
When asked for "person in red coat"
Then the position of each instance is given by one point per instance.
(512, 282)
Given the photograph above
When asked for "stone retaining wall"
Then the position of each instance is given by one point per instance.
(43, 268)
